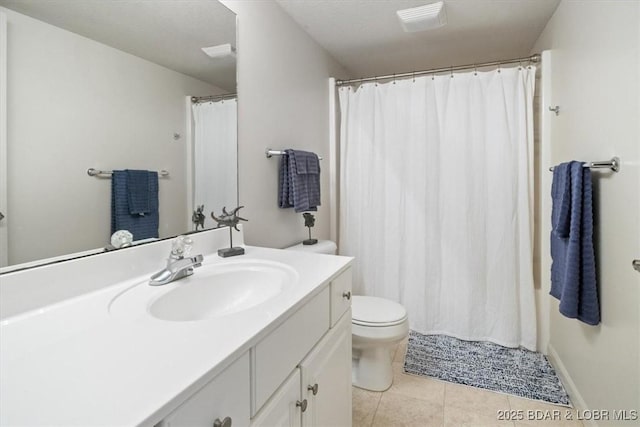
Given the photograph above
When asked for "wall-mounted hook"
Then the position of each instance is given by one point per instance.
(555, 109)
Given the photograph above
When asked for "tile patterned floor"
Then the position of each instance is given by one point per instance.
(424, 402)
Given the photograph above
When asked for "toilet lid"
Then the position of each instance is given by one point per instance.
(376, 311)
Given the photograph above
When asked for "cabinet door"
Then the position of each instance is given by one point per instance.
(282, 409)
(340, 295)
(278, 354)
(227, 395)
(327, 372)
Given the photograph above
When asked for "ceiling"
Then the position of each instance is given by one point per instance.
(365, 36)
(170, 33)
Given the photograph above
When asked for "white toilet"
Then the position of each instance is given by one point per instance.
(377, 326)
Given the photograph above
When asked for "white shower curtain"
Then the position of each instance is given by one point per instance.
(215, 155)
(436, 200)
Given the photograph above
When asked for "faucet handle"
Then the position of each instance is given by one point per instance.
(197, 260)
(181, 247)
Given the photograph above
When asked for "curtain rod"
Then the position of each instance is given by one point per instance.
(533, 58)
(196, 99)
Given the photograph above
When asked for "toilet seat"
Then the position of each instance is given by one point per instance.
(376, 312)
(378, 324)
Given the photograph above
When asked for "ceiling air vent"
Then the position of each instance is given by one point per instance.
(423, 18)
(220, 51)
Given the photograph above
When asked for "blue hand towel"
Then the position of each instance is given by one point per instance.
(299, 183)
(561, 193)
(138, 193)
(284, 182)
(573, 273)
(142, 227)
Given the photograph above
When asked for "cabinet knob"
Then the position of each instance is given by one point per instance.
(346, 295)
(224, 423)
(313, 388)
(302, 405)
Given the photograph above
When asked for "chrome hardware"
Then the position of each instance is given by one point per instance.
(636, 265)
(313, 388)
(302, 405)
(177, 265)
(613, 164)
(270, 153)
(555, 109)
(106, 174)
(224, 423)
(346, 295)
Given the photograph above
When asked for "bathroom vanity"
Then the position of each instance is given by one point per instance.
(176, 355)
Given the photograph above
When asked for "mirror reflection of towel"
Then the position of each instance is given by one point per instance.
(141, 226)
(138, 191)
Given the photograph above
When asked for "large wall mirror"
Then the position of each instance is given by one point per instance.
(114, 86)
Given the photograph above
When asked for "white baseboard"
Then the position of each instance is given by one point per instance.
(574, 395)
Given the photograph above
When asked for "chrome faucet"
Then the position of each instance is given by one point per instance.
(178, 266)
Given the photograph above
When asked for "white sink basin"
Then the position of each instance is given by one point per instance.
(213, 291)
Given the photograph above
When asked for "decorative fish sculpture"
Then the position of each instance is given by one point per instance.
(228, 219)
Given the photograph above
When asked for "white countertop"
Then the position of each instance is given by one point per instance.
(75, 363)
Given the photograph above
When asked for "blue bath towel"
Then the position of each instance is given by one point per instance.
(573, 272)
(138, 191)
(141, 226)
(299, 183)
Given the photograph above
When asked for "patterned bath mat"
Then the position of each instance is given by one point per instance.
(515, 371)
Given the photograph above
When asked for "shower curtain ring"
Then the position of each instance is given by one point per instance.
(520, 67)
(475, 70)
(451, 71)
(394, 78)
(414, 76)
(500, 67)
(375, 81)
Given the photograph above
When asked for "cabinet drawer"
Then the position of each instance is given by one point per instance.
(277, 355)
(227, 395)
(340, 295)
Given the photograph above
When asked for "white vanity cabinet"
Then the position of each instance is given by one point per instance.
(299, 375)
(223, 402)
(317, 390)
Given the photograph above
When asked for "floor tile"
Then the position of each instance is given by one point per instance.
(416, 401)
(536, 413)
(399, 411)
(471, 406)
(364, 405)
(423, 388)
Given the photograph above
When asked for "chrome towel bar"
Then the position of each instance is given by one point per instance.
(613, 164)
(270, 153)
(103, 174)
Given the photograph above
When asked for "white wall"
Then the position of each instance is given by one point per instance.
(73, 104)
(596, 82)
(283, 103)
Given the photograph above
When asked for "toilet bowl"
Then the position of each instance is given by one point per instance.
(377, 326)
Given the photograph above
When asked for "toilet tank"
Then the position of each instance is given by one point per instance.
(322, 247)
